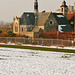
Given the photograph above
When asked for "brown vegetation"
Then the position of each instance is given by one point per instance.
(4, 34)
(58, 35)
(49, 35)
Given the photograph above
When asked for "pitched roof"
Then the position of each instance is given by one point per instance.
(65, 28)
(27, 19)
(36, 29)
(42, 18)
(62, 20)
(63, 25)
(70, 15)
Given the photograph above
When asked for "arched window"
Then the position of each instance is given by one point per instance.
(62, 10)
(22, 29)
(51, 22)
(16, 28)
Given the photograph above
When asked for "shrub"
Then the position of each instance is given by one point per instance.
(21, 36)
(9, 32)
(4, 34)
(0, 31)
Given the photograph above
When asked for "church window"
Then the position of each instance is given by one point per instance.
(62, 9)
(16, 28)
(51, 22)
(22, 29)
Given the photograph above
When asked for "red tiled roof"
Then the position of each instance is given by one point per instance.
(70, 15)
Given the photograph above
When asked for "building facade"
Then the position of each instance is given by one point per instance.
(34, 23)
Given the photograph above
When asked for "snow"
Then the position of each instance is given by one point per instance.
(29, 62)
(27, 15)
(60, 16)
(60, 28)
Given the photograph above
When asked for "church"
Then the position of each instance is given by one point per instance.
(33, 23)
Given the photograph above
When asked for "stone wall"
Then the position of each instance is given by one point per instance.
(51, 27)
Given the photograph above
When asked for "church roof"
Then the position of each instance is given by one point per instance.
(27, 18)
(63, 25)
(36, 29)
(70, 15)
(61, 20)
(42, 17)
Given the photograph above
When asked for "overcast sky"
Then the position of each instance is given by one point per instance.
(12, 8)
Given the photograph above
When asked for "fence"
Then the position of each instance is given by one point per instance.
(37, 41)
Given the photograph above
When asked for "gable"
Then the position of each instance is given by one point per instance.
(51, 26)
(51, 18)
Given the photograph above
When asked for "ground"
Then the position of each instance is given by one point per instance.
(32, 62)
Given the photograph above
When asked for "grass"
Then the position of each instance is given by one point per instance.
(38, 48)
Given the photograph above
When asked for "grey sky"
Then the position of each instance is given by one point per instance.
(12, 8)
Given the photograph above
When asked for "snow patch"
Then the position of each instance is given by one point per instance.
(27, 15)
(60, 28)
(60, 16)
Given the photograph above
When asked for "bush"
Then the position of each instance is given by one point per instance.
(4, 34)
(21, 36)
(0, 31)
(9, 32)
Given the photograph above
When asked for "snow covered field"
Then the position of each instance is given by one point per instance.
(29, 62)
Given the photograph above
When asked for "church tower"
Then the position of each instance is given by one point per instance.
(35, 6)
(64, 8)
